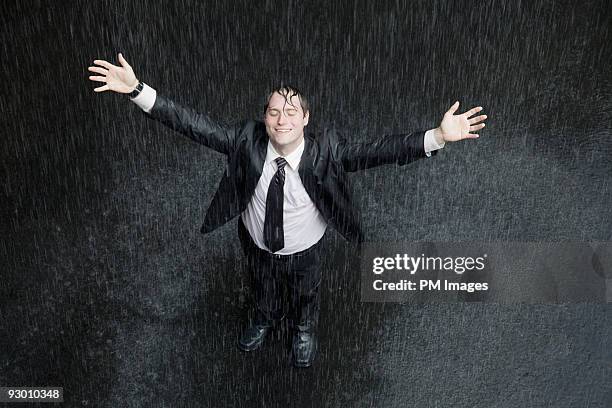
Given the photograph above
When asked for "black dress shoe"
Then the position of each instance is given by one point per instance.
(253, 337)
(304, 348)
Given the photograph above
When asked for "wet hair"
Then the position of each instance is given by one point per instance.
(288, 92)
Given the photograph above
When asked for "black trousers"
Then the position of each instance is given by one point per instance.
(277, 280)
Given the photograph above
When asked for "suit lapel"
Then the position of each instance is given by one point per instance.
(306, 169)
(257, 156)
(261, 148)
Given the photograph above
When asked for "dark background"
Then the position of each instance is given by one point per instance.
(109, 290)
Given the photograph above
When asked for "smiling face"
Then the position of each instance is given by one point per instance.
(285, 121)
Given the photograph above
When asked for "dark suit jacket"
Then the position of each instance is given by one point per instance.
(323, 167)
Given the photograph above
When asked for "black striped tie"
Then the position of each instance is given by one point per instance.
(274, 237)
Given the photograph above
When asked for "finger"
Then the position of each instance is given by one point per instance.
(123, 62)
(472, 111)
(98, 78)
(102, 88)
(472, 136)
(476, 127)
(477, 119)
(105, 64)
(453, 108)
(99, 70)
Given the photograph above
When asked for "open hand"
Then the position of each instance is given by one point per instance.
(119, 79)
(458, 127)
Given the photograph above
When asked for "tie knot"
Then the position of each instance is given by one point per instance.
(280, 162)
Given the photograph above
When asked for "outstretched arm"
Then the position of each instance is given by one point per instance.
(404, 148)
(197, 126)
(398, 149)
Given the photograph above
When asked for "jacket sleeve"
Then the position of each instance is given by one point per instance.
(199, 127)
(398, 149)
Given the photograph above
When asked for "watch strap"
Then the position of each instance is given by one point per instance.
(136, 91)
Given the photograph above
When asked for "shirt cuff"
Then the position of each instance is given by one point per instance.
(146, 98)
(430, 143)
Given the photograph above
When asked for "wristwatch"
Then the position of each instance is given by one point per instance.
(136, 91)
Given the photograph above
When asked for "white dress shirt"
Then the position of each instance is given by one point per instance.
(303, 224)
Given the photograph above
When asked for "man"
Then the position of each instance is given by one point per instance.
(287, 188)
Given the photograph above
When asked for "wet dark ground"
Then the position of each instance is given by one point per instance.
(109, 290)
